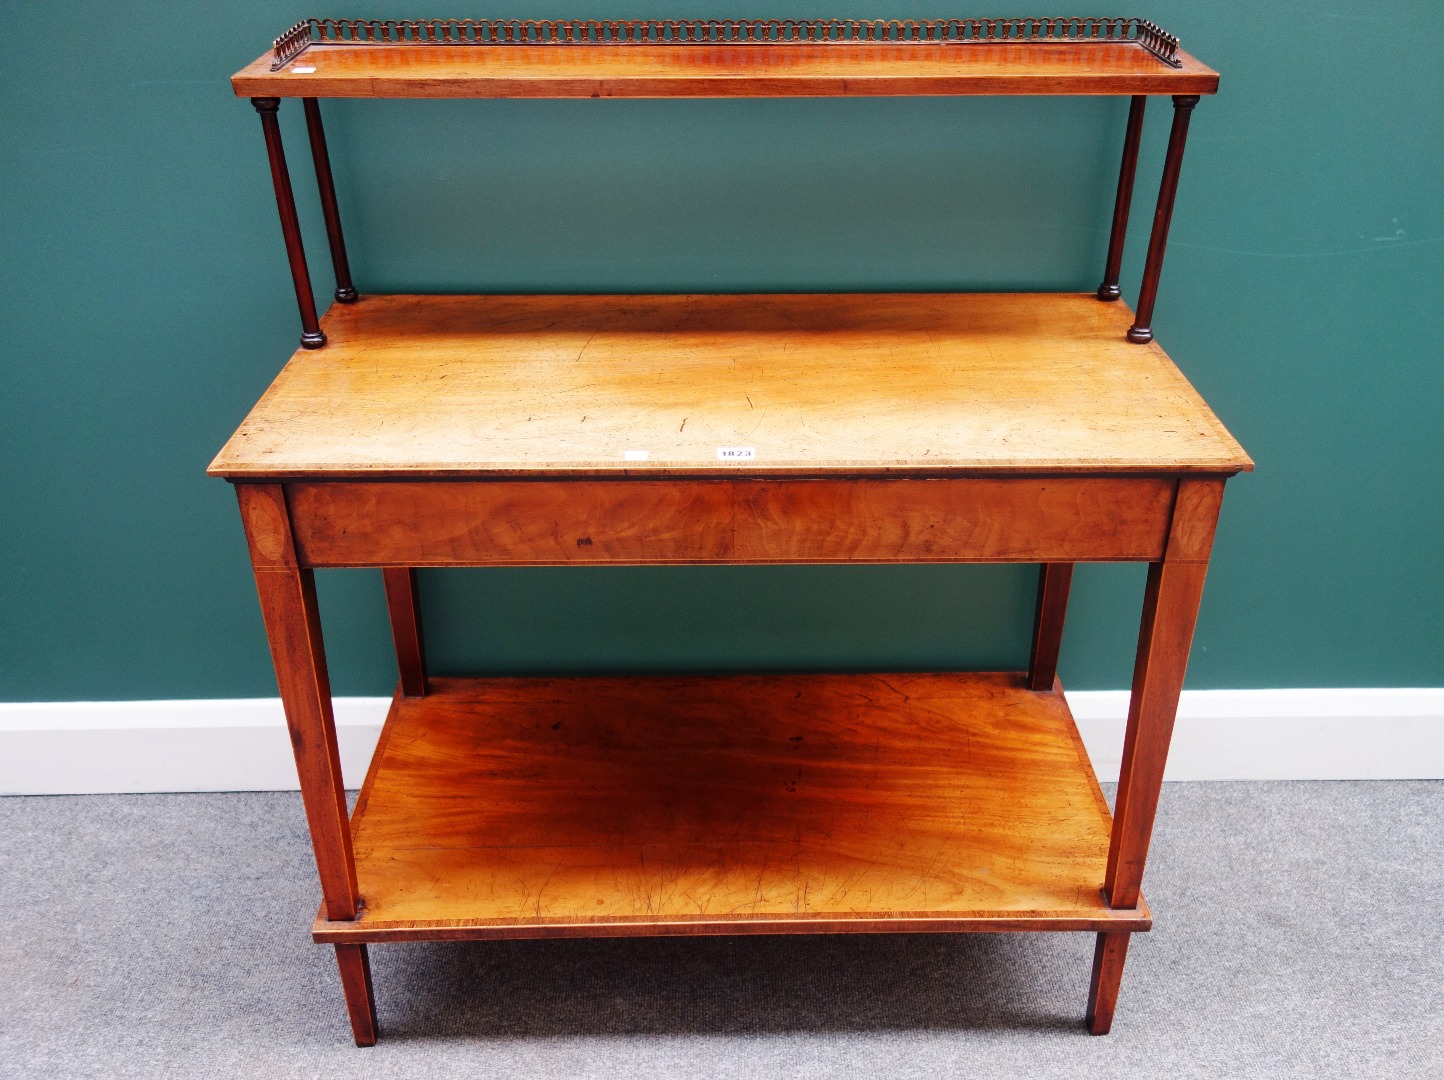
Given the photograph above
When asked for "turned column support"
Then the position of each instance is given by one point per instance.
(1141, 332)
(311, 334)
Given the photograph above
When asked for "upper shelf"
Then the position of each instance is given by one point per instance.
(713, 58)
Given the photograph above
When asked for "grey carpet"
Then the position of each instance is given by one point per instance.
(1300, 933)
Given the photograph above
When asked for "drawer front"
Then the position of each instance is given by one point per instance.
(633, 522)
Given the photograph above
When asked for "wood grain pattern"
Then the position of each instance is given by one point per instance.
(604, 806)
(633, 71)
(646, 522)
(267, 521)
(831, 384)
(1195, 519)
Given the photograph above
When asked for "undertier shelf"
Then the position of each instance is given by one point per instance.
(656, 805)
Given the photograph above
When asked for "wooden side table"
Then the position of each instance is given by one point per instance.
(626, 430)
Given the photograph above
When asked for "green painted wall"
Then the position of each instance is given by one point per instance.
(145, 306)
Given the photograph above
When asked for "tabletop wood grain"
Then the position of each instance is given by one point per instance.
(830, 384)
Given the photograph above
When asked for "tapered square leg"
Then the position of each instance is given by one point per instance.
(355, 968)
(1170, 610)
(403, 605)
(1108, 957)
(293, 627)
(1054, 581)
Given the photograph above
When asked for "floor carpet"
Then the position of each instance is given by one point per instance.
(1299, 933)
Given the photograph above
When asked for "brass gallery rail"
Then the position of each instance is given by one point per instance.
(298, 38)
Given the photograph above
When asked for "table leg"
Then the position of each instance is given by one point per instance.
(355, 968)
(1054, 581)
(1108, 956)
(293, 629)
(1170, 609)
(403, 605)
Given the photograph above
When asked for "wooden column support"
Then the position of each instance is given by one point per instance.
(1123, 202)
(311, 335)
(326, 184)
(1141, 332)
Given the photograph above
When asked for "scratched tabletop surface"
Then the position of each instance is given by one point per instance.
(705, 385)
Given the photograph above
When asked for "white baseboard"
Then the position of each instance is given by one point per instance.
(1382, 734)
(213, 744)
(80, 748)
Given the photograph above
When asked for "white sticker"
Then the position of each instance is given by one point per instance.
(736, 453)
(303, 70)
(636, 455)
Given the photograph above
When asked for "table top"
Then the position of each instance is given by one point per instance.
(782, 70)
(765, 385)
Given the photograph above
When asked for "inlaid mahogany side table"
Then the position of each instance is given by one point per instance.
(414, 431)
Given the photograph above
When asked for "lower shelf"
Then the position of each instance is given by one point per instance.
(590, 807)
